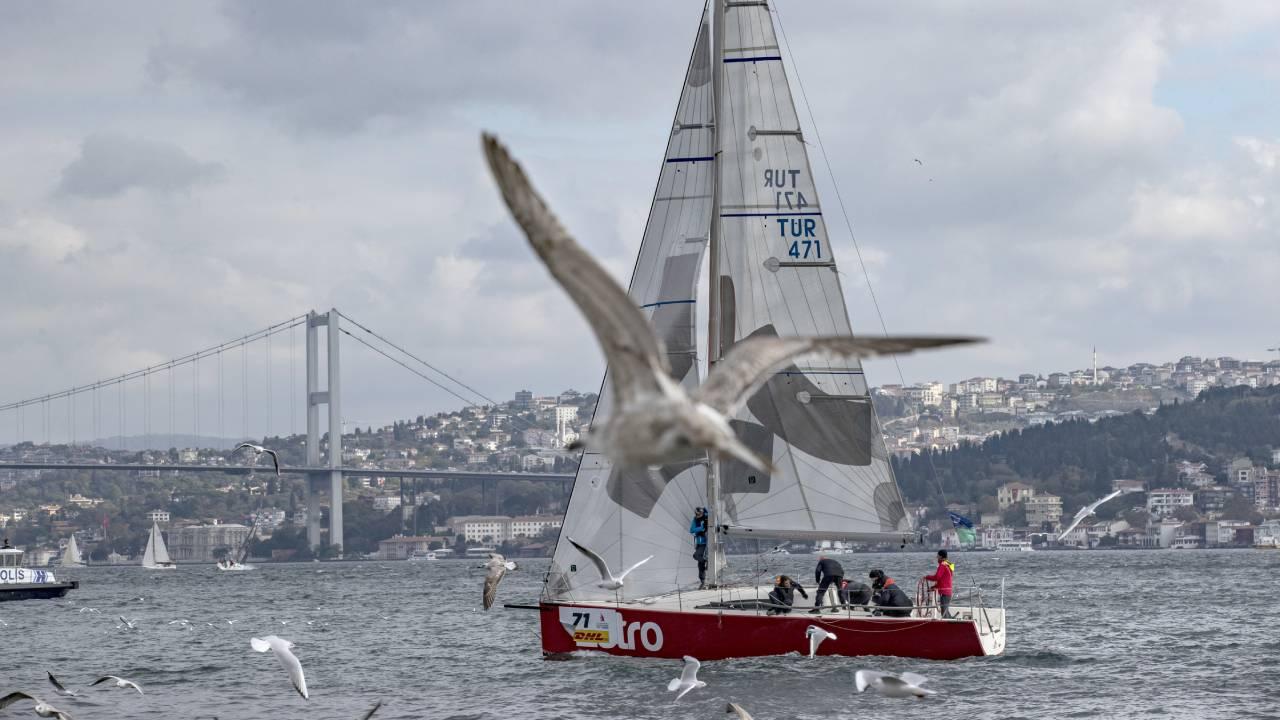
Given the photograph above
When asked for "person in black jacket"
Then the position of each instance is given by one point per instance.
(828, 573)
(892, 600)
(783, 595)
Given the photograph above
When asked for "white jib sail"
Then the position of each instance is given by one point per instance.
(156, 554)
(627, 516)
(71, 555)
(778, 277)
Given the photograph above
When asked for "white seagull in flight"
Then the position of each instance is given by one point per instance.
(816, 635)
(688, 679)
(57, 686)
(654, 420)
(890, 685)
(496, 567)
(1086, 511)
(259, 451)
(736, 708)
(117, 682)
(283, 650)
(608, 580)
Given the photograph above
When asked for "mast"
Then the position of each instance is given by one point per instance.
(713, 267)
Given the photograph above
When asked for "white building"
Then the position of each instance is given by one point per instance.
(200, 543)
(1165, 501)
(386, 503)
(188, 456)
(481, 528)
(566, 418)
(1043, 509)
(533, 525)
(158, 516)
(1013, 493)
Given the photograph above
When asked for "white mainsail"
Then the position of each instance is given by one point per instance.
(778, 277)
(156, 555)
(627, 516)
(71, 554)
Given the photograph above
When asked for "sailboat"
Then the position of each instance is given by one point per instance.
(235, 561)
(71, 554)
(156, 556)
(736, 187)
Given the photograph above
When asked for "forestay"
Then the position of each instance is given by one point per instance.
(628, 516)
(778, 277)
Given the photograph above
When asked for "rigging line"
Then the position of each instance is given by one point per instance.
(420, 360)
(817, 136)
(244, 391)
(381, 352)
(268, 364)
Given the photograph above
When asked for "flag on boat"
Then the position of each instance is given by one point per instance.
(964, 528)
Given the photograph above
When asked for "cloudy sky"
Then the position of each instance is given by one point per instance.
(176, 175)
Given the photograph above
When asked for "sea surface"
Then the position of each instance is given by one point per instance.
(1103, 634)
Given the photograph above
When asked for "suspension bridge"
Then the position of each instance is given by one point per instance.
(226, 381)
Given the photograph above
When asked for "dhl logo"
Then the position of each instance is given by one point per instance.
(591, 636)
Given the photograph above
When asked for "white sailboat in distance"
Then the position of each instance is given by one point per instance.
(156, 556)
(71, 554)
(736, 188)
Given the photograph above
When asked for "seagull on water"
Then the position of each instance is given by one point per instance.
(736, 708)
(608, 580)
(890, 685)
(1086, 511)
(816, 635)
(654, 420)
(57, 686)
(283, 650)
(688, 679)
(496, 567)
(42, 708)
(88, 610)
(127, 624)
(259, 451)
(117, 682)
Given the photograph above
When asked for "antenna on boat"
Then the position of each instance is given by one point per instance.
(713, 269)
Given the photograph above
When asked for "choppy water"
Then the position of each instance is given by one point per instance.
(1096, 634)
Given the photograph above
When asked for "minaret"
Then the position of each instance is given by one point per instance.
(1095, 365)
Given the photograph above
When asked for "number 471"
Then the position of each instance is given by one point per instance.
(803, 248)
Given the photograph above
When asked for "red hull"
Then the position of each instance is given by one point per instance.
(708, 635)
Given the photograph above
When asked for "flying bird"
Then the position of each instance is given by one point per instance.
(42, 708)
(283, 650)
(127, 624)
(608, 580)
(57, 686)
(1086, 511)
(918, 162)
(736, 708)
(816, 635)
(372, 710)
(259, 451)
(496, 568)
(890, 685)
(688, 679)
(654, 420)
(117, 682)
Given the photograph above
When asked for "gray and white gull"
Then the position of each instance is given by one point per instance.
(688, 679)
(495, 568)
(1088, 510)
(654, 420)
(42, 708)
(890, 685)
(117, 681)
(816, 635)
(259, 451)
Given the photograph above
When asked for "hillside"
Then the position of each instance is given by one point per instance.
(1077, 460)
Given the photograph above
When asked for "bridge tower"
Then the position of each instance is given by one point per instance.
(332, 397)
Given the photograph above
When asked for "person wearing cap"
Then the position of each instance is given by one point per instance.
(783, 595)
(699, 530)
(940, 580)
(828, 573)
(890, 598)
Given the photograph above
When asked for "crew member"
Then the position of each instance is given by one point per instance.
(856, 593)
(940, 580)
(890, 598)
(783, 595)
(828, 573)
(699, 529)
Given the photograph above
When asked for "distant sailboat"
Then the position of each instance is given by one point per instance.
(235, 561)
(71, 555)
(156, 556)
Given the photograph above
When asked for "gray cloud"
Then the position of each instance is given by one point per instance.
(110, 164)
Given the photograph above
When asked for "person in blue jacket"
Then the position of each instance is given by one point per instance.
(699, 530)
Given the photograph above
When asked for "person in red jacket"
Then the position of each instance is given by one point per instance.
(940, 580)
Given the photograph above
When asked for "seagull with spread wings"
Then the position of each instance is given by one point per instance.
(608, 580)
(42, 708)
(259, 451)
(654, 420)
(117, 681)
(1086, 511)
(890, 685)
(688, 679)
(495, 569)
(283, 650)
